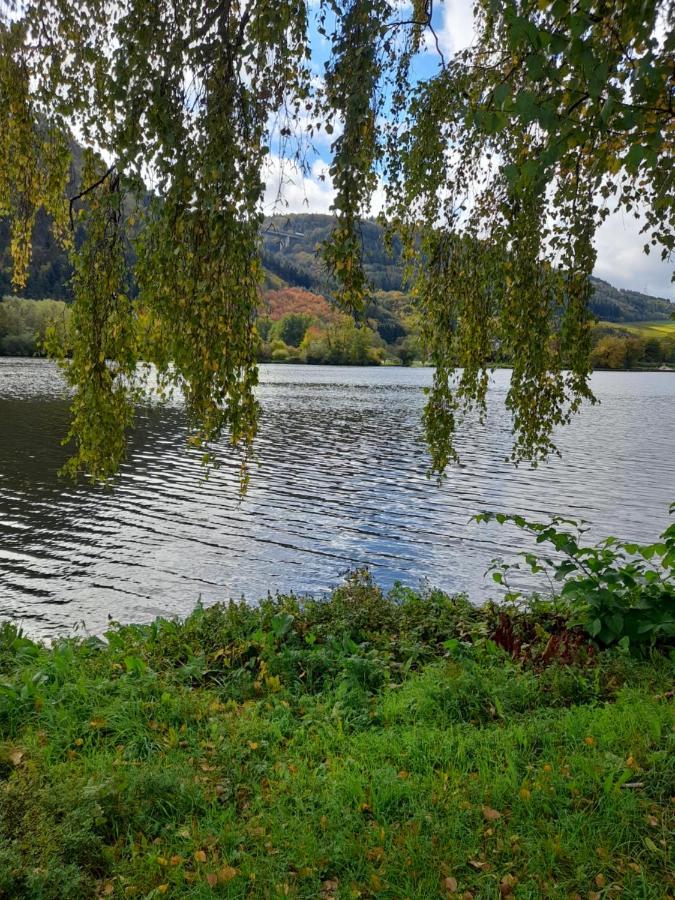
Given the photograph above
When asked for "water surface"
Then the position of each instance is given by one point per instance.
(340, 482)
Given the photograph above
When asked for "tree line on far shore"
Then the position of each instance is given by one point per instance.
(298, 326)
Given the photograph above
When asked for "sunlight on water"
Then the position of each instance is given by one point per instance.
(340, 481)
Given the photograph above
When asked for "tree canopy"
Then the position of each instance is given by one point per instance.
(497, 168)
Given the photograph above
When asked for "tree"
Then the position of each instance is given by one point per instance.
(291, 328)
(497, 169)
(610, 353)
(653, 350)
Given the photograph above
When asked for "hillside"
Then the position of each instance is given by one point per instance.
(299, 323)
(289, 255)
(612, 304)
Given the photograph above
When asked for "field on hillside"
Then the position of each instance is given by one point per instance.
(646, 330)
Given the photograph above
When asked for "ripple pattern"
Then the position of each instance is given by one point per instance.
(340, 481)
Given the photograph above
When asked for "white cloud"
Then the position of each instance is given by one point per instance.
(456, 31)
(622, 261)
(288, 188)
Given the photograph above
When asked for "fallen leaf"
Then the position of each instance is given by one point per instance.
(403, 774)
(600, 880)
(507, 885)
(176, 860)
(589, 741)
(479, 864)
(491, 814)
(16, 756)
(97, 723)
(108, 889)
(227, 873)
(450, 885)
(200, 856)
(253, 745)
(162, 888)
(212, 879)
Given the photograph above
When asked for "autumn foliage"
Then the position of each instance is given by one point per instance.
(291, 300)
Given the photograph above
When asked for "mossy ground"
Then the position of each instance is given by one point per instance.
(364, 747)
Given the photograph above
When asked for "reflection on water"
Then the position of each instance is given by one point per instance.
(340, 482)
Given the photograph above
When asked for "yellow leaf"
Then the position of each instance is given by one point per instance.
(450, 885)
(200, 856)
(16, 756)
(227, 873)
(162, 888)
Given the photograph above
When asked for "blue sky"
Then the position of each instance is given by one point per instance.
(621, 260)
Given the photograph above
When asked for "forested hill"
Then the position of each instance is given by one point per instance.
(612, 304)
(289, 254)
(290, 244)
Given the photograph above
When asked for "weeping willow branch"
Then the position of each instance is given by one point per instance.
(498, 168)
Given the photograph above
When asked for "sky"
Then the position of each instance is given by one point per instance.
(621, 260)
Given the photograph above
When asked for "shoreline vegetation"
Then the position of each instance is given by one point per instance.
(367, 745)
(320, 336)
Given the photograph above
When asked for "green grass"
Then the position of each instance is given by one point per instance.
(646, 330)
(365, 747)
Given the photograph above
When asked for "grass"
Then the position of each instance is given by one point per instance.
(660, 330)
(368, 746)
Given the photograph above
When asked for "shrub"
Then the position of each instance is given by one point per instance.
(619, 592)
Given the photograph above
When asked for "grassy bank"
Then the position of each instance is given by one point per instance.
(409, 746)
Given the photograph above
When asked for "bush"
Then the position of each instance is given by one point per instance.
(619, 592)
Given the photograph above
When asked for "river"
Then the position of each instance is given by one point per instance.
(340, 481)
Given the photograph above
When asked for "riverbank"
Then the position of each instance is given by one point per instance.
(369, 746)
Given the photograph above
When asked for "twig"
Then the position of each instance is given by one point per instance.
(83, 193)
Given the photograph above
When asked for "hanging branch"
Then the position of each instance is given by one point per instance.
(92, 187)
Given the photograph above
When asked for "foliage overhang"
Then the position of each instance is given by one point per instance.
(498, 169)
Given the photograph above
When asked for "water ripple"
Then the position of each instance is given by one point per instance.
(339, 481)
